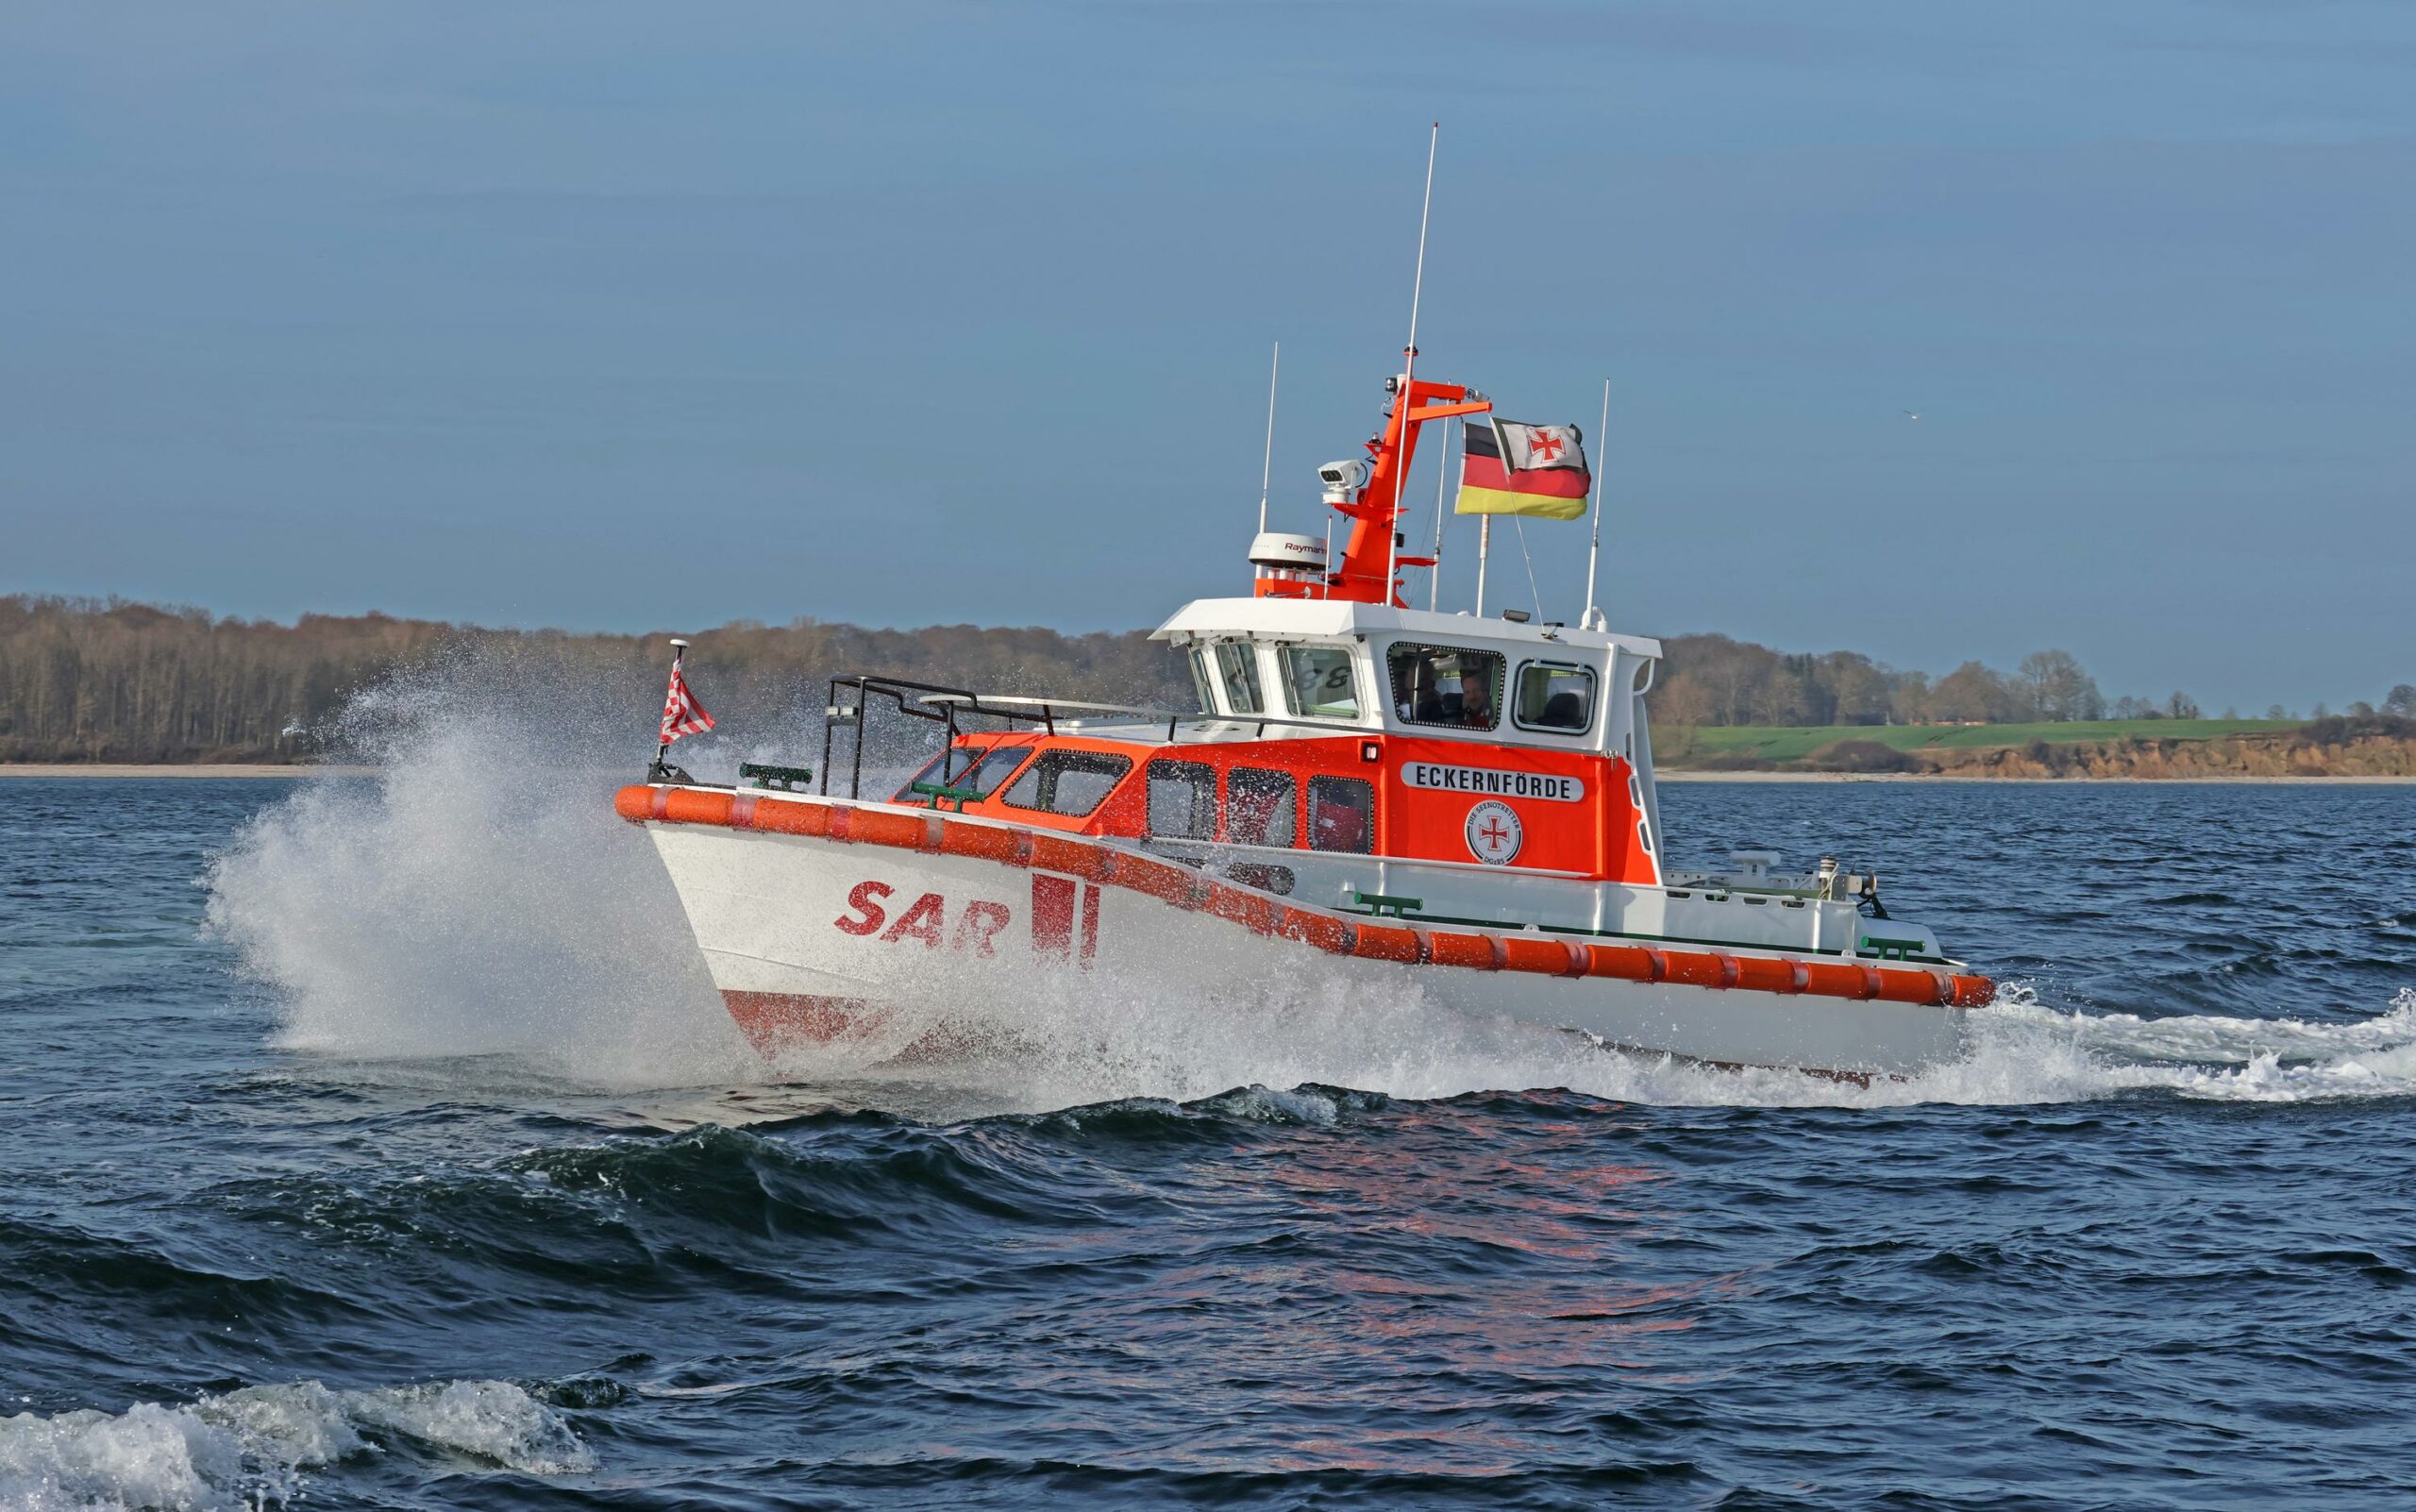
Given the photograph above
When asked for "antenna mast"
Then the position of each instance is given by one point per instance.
(1593, 618)
(1266, 467)
(1409, 357)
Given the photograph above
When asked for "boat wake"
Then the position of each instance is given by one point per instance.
(1188, 1045)
(250, 1448)
(477, 904)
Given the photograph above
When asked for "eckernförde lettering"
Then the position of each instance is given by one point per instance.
(1493, 783)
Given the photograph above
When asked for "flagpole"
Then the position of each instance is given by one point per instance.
(1483, 549)
(1593, 616)
(662, 751)
(1442, 480)
(1409, 371)
(1266, 467)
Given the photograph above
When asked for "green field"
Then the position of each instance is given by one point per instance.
(1779, 743)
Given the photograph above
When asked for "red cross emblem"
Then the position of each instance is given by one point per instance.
(1548, 446)
(1494, 832)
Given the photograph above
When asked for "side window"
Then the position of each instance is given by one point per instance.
(1258, 807)
(1448, 685)
(1071, 782)
(1182, 799)
(1200, 682)
(1342, 815)
(1237, 669)
(1318, 683)
(1554, 697)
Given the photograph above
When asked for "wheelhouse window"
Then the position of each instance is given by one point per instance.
(976, 774)
(1447, 685)
(1553, 695)
(1319, 683)
(1342, 815)
(1182, 799)
(1237, 670)
(1259, 807)
(1199, 680)
(1071, 782)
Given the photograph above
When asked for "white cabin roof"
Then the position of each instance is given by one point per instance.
(1345, 620)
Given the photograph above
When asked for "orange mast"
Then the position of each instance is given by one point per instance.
(1366, 574)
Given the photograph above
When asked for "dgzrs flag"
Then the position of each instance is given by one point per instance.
(681, 714)
(1509, 468)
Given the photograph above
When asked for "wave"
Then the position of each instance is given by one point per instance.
(247, 1448)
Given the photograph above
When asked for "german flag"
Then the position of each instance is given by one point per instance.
(1550, 486)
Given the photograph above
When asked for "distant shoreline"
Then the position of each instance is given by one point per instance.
(122, 770)
(1680, 775)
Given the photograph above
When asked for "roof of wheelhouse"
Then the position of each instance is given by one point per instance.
(1342, 619)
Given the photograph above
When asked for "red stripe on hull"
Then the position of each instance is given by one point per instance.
(774, 1021)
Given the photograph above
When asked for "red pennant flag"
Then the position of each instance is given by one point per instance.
(681, 714)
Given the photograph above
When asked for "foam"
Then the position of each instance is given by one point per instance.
(1097, 1044)
(476, 897)
(247, 1448)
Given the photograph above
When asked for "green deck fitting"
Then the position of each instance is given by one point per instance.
(783, 778)
(1387, 903)
(1889, 949)
(941, 792)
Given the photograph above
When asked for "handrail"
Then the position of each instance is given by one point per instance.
(982, 702)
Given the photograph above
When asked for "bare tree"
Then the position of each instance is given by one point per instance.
(2051, 685)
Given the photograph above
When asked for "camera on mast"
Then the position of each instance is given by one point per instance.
(1341, 477)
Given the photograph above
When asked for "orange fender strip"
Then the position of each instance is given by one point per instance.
(935, 834)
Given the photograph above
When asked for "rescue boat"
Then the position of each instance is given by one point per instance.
(1368, 798)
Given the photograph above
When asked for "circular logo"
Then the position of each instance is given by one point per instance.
(1493, 832)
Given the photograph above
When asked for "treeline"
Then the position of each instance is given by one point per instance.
(1711, 679)
(89, 681)
(108, 681)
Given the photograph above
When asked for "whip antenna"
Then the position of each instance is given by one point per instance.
(1266, 467)
(1593, 618)
(1409, 369)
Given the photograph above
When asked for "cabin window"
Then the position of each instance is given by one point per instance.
(1342, 815)
(1318, 682)
(1071, 782)
(1259, 807)
(1237, 669)
(1200, 682)
(966, 770)
(1183, 801)
(1447, 685)
(1554, 695)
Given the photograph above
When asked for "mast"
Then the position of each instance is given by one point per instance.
(1409, 355)
(1594, 553)
(1370, 571)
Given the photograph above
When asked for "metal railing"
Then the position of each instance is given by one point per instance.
(945, 706)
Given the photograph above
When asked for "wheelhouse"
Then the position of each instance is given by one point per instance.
(1340, 726)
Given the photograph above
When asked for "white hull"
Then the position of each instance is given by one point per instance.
(817, 939)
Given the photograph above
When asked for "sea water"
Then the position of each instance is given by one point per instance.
(379, 1142)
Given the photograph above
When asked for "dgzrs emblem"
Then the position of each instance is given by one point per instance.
(1494, 833)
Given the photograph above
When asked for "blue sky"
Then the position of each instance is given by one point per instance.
(632, 317)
